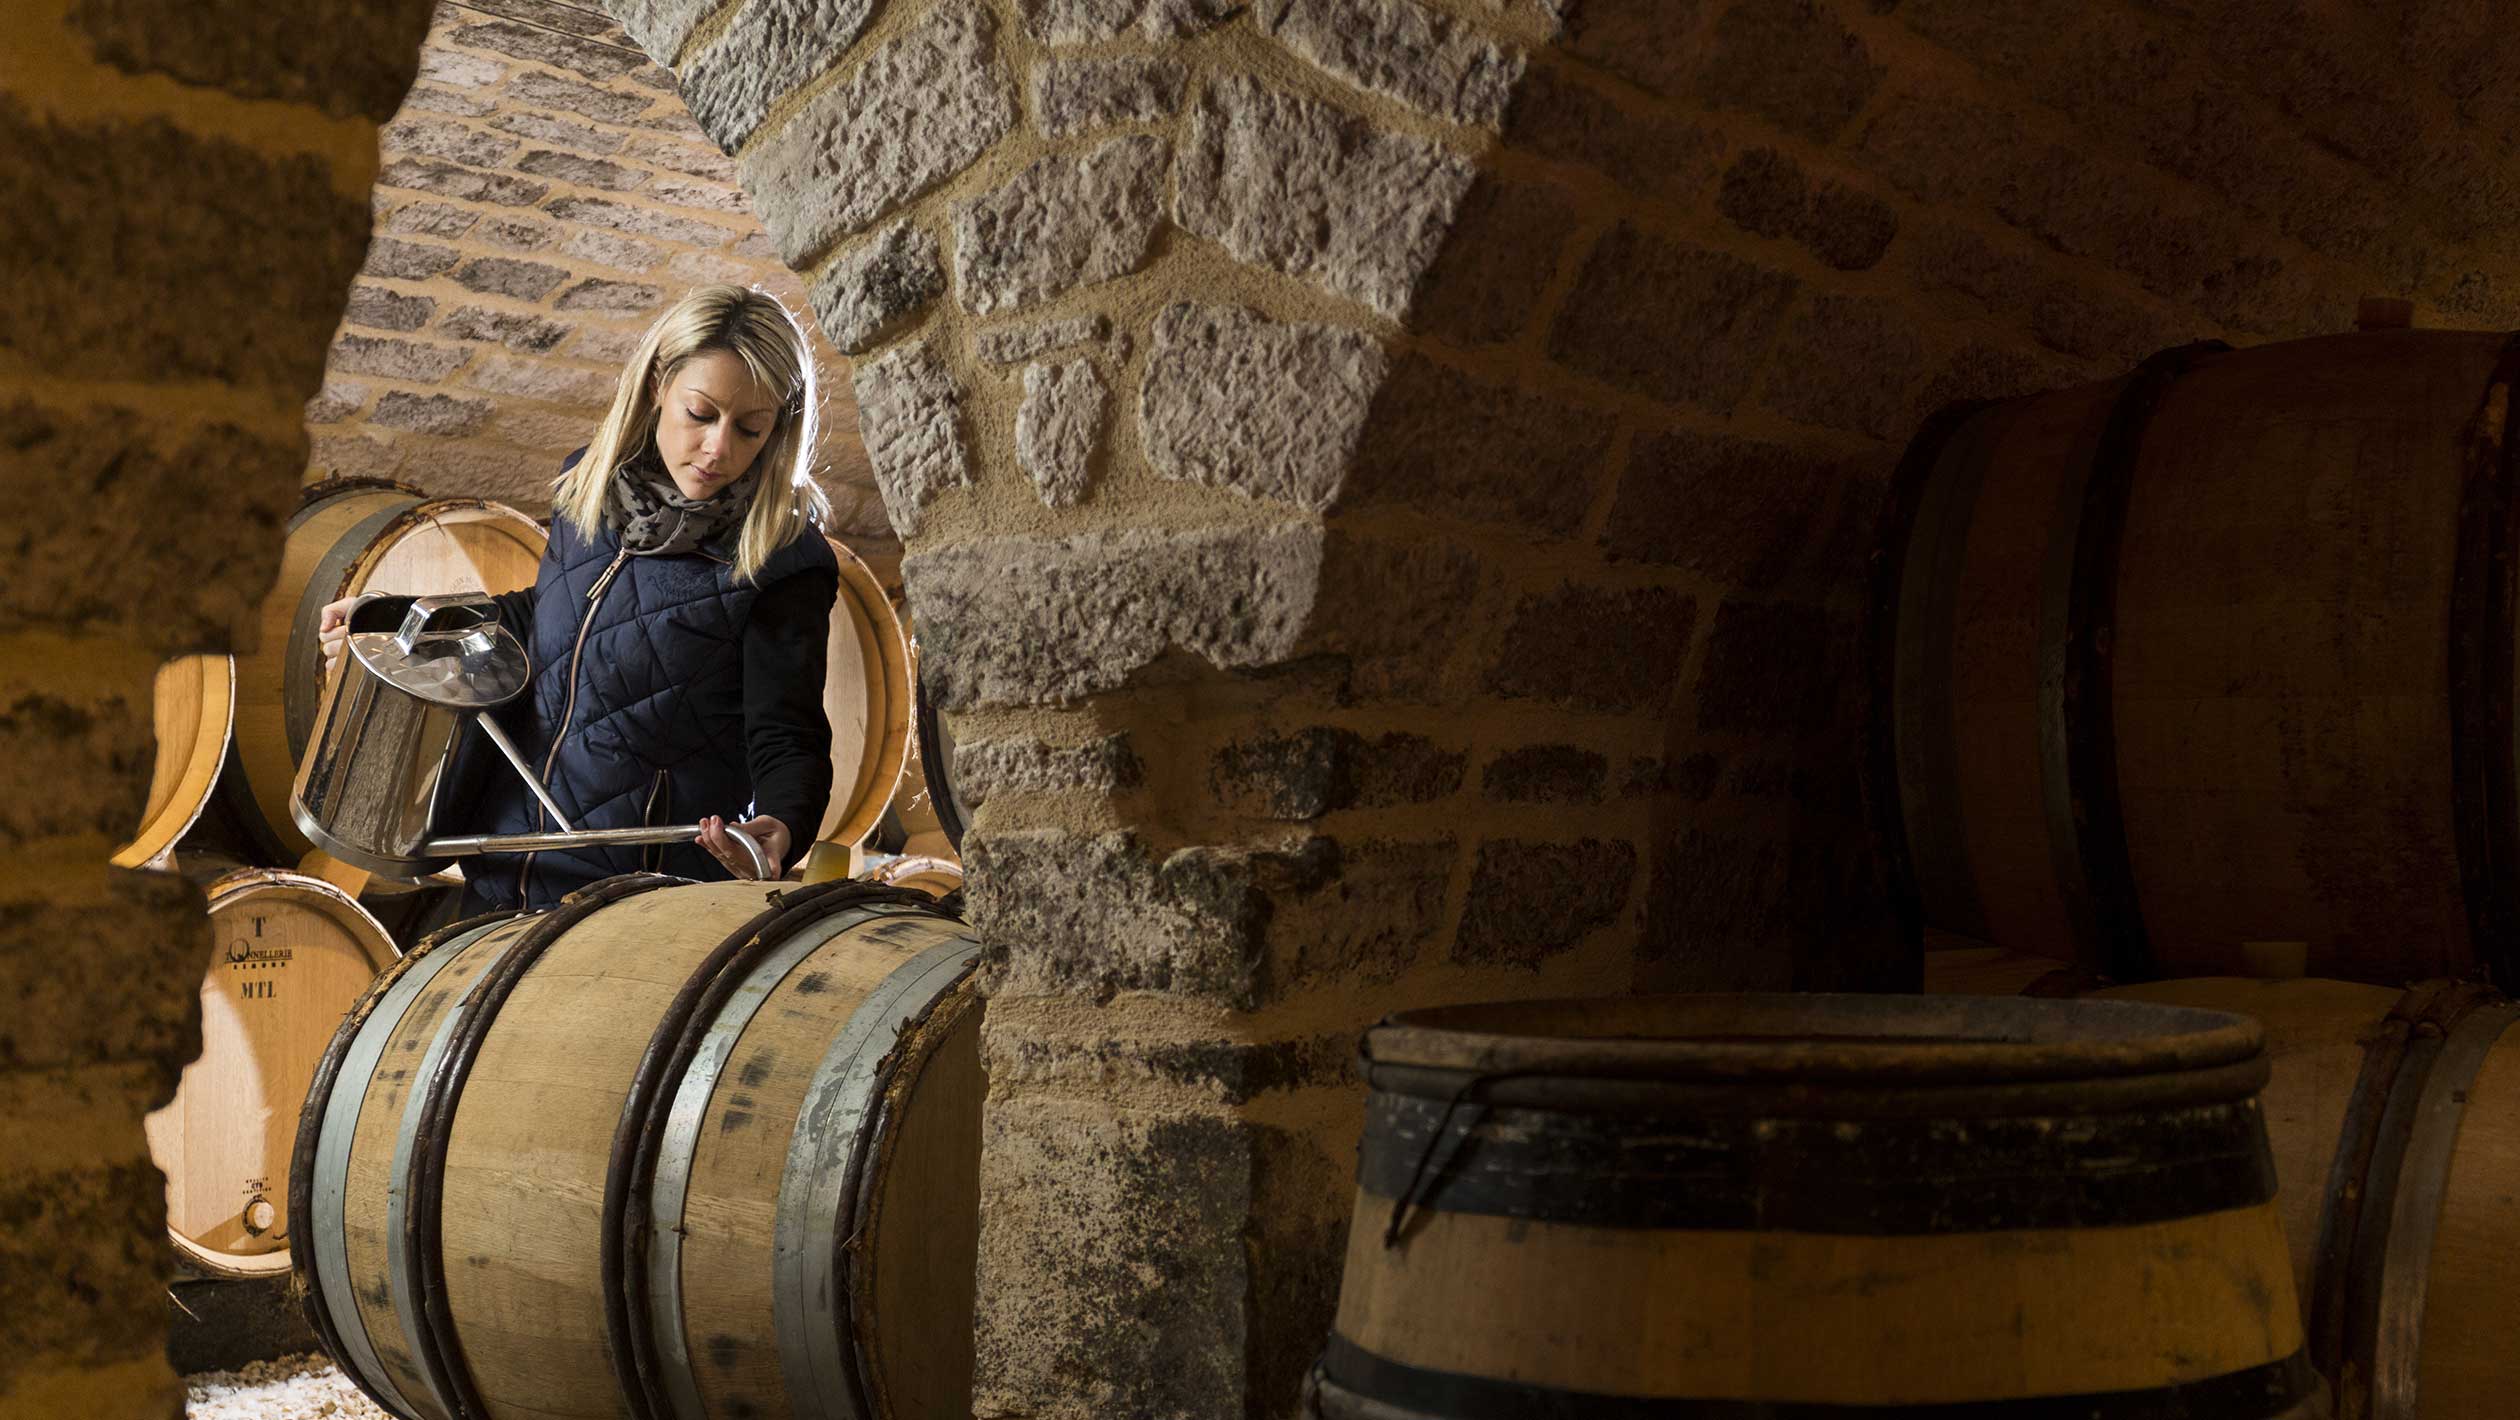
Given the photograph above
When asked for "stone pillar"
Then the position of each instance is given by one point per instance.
(183, 200)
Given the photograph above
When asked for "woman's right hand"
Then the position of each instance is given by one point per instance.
(333, 632)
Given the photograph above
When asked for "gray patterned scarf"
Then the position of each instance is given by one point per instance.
(656, 520)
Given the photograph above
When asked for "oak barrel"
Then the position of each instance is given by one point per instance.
(194, 710)
(290, 955)
(867, 697)
(2215, 653)
(666, 1149)
(1815, 1205)
(349, 536)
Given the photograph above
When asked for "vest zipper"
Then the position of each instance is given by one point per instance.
(594, 603)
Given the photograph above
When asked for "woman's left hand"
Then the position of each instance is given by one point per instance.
(771, 834)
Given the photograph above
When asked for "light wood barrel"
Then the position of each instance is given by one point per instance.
(2218, 653)
(934, 876)
(2394, 1122)
(669, 1149)
(350, 536)
(291, 955)
(195, 712)
(867, 696)
(1815, 1205)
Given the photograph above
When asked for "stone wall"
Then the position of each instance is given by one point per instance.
(183, 201)
(543, 194)
(1388, 487)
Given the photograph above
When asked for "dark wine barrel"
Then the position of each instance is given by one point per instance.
(2214, 654)
(668, 1149)
(1815, 1205)
(2394, 1122)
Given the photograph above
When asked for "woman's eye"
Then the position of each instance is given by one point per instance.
(698, 416)
(752, 433)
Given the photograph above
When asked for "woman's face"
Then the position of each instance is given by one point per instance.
(711, 421)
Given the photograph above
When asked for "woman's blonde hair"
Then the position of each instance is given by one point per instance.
(752, 325)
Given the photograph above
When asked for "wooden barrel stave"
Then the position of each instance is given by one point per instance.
(867, 697)
(1714, 1216)
(2286, 623)
(194, 710)
(531, 1187)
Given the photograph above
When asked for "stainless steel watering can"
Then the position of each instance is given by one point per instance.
(376, 766)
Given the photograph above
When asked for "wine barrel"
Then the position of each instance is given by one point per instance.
(934, 876)
(194, 711)
(291, 955)
(668, 1148)
(867, 696)
(350, 536)
(2394, 1122)
(936, 764)
(1807, 1205)
(2219, 652)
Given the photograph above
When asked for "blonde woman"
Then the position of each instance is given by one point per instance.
(678, 624)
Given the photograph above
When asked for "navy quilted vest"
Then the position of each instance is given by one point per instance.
(639, 673)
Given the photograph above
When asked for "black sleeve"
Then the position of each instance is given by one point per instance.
(787, 738)
(516, 612)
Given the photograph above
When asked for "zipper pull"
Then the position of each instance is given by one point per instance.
(606, 580)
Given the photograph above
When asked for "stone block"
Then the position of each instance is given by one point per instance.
(1093, 915)
(580, 170)
(1652, 43)
(1775, 667)
(690, 159)
(82, 1272)
(620, 298)
(408, 261)
(1061, 22)
(1375, 909)
(440, 414)
(771, 49)
(1768, 193)
(984, 768)
(603, 105)
(875, 283)
(1941, 149)
(345, 62)
(1735, 511)
(353, 455)
(1036, 621)
(1946, 255)
(1393, 605)
(544, 379)
(1059, 428)
(1983, 371)
(430, 219)
(196, 507)
(1448, 445)
(1229, 1072)
(1113, 1274)
(455, 103)
(516, 234)
(79, 757)
(565, 133)
(1669, 320)
(1268, 409)
(1302, 775)
(1791, 62)
(1691, 779)
(463, 71)
(639, 221)
(1592, 648)
(448, 180)
(610, 345)
(602, 63)
(1014, 344)
(704, 196)
(336, 401)
(910, 414)
(505, 276)
(919, 109)
(1403, 50)
(1490, 274)
(1061, 223)
(412, 360)
(661, 27)
(1848, 362)
(1533, 900)
(1318, 193)
(1546, 774)
(618, 250)
(440, 138)
(1648, 151)
(1078, 95)
(380, 309)
(262, 249)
